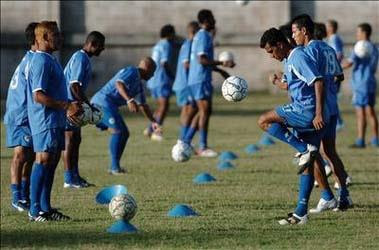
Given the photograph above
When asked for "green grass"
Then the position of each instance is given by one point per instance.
(239, 211)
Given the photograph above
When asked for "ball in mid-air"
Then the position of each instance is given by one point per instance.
(363, 49)
(181, 152)
(226, 56)
(123, 207)
(234, 89)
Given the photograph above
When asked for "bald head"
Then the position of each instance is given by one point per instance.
(147, 68)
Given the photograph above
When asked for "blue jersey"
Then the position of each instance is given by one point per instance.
(109, 97)
(301, 73)
(78, 69)
(161, 54)
(16, 106)
(363, 76)
(181, 71)
(202, 45)
(46, 74)
(336, 43)
(328, 66)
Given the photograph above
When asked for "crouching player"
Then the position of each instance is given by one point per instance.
(125, 88)
(47, 106)
(305, 114)
(18, 132)
(78, 75)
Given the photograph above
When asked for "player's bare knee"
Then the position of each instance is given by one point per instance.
(19, 158)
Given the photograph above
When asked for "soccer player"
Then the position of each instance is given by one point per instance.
(328, 66)
(334, 40)
(47, 106)
(319, 31)
(78, 75)
(18, 132)
(125, 88)
(180, 86)
(161, 83)
(200, 80)
(306, 114)
(363, 84)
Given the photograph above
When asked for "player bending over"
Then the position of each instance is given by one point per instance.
(18, 134)
(47, 106)
(125, 88)
(78, 73)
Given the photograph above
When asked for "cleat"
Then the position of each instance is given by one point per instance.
(206, 153)
(306, 159)
(343, 204)
(156, 137)
(357, 146)
(294, 219)
(84, 183)
(119, 171)
(324, 205)
(42, 217)
(55, 215)
(71, 185)
(20, 206)
(147, 132)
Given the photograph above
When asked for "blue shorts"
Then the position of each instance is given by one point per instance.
(363, 99)
(19, 136)
(301, 120)
(161, 92)
(202, 91)
(183, 97)
(111, 119)
(51, 140)
(331, 128)
(311, 137)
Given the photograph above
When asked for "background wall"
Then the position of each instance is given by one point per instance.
(132, 27)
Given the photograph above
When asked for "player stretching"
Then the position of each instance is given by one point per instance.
(363, 84)
(200, 80)
(161, 83)
(18, 132)
(305, 114)
(47, 105)
(78, 75)
(180, 86)
(328, 66)
(125, 88)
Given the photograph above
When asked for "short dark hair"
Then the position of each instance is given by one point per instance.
(167, 30)
(366, 28)
(272, 36)
(29, 33)
(334, 24)
(204, 15)
(194, 25)
(320, 31)
(304, 21)
(287, 32)
(95, 37)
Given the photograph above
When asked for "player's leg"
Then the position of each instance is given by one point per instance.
(186, 115)
(361, 127)
(373, 120)
(25, 179)
(68, 160)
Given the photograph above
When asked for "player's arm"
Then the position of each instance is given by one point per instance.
(347, 64)
(146, 111)
(276, 79)
(222, 72)
(318, 121)
(78, 93)
(205, 61)
(132, 105)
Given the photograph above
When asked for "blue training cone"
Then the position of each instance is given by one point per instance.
(203, 178)
(227, 156)
(251, 149)
(225, 165)
(266, 140)
(106, 194)
(181, 210)
(122, 226)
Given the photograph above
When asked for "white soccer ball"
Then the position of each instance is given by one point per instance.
(363, 49)
(242, 2)
(226, 56)
(181, 152)
(234, 89)
(123, 207)
(89, 116)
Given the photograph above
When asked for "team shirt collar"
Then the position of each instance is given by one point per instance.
(292, 52)
(43, 52)
(85, 53)
(311, 41)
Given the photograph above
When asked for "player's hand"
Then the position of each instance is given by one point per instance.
(132, 106)
(74, 109)
(318, 122)
(274, 78)
(156, 127)
(229, 64)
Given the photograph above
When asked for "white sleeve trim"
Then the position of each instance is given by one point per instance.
(313, 80)
(119, 80)
(185, 60)
(73, 81)
(303, 78)
(38, 89)
(164, 60)
(201, 53)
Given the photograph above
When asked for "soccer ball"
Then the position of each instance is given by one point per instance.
(123, 207)
(242, 2)
(363, 49)
(226, 56)
(234, 89)
(89, 116)
(181, 152)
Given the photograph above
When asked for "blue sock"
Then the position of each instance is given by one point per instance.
(16, 192)
(36, 184)
(117, 145)
(46, 190)
(306, 185)
(158, 120)
(75, 170)
(375, 141)
(122, 144)
(343, 193)
(183, 132)
(203, 136)
(360, 142)
(280, 132)
(326, 194)
(68, 176)
(189, 135)
(25, 185)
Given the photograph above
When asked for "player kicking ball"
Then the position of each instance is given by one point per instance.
(47, 109)
(18, 132)
(306, 114)
(125, 88)
(78, 73)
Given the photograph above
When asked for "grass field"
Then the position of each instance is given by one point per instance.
(238, 211)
